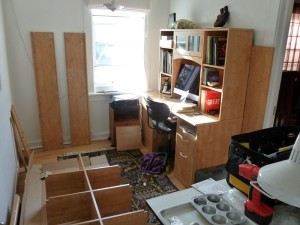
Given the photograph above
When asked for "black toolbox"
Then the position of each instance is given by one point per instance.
(259, 148)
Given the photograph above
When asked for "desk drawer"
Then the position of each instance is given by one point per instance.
(184, 159)
(184, 141)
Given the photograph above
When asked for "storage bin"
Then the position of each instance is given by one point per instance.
(258, 147)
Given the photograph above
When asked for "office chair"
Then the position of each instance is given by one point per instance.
(158, 114)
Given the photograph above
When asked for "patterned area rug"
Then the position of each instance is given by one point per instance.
(144, 185)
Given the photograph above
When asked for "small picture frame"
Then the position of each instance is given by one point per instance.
(172, 19)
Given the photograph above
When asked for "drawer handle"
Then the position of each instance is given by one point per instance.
(182, 138)
(182, 155)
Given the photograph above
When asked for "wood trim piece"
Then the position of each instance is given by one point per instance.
(43, 54)
(258, 87)
(75, 51)
(22, 148)
(15, 210)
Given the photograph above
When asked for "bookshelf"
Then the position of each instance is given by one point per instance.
(226, 51)
(209, 146)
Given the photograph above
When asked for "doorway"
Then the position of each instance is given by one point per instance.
(288, 105)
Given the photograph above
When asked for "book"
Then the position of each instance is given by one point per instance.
(216, 50)
(210, 101)
(209, 50)
(221, 51)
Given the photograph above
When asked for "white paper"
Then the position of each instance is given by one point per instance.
(210, 186)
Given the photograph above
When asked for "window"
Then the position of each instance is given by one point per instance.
(118, 51)
(292, 53)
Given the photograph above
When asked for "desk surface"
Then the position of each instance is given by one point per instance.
(184, 110)
(178, 198)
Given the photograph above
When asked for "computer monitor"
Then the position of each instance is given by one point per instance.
(187, 84)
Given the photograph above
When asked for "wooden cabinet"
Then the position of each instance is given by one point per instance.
(200, 47)
(124, 122)
(188, 42)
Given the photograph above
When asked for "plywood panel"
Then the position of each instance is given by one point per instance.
(258, 87)
(113, 200)
(124, 142)
(239, 45)
(77, 88)
(70, 208)
(47, 90)
(138, 218)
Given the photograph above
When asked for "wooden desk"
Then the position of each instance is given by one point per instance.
(207, 148)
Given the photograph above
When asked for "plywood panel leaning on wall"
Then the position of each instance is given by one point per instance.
(258, 87)
(43, 54)
(75, 52)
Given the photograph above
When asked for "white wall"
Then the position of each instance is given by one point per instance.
(61, 16)
(268, 18)
(8, 164)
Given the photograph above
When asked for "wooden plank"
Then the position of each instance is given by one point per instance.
(239, 45)
(258, 87)
(15, 210)
(137, 218)
(65, 183)
(32, 201)
(70, 208)
(47, 89)
(75, 51)
(22, 148)
(90, 222)
(114, 200)
(104, 177)
(22, 158)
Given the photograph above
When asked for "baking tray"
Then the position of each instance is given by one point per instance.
(184, 214)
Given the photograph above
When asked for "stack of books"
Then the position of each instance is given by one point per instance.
(216, 50)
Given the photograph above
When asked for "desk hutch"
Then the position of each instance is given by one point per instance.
(208, 147)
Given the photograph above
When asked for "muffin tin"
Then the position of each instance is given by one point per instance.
(216, 210)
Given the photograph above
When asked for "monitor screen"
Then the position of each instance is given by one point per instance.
(187, 84)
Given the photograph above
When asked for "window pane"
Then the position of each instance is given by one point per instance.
(118, 42)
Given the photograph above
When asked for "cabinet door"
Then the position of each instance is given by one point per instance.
(189, 43)
(184, 159)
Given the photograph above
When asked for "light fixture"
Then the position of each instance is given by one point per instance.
(113, 6)
(281, 180)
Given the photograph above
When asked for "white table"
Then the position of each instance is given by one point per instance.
(178, 198)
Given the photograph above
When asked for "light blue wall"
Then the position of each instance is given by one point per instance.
(8, 165)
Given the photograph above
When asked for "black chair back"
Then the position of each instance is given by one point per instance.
(158, 111)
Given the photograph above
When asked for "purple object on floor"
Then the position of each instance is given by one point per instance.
(152, 163)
